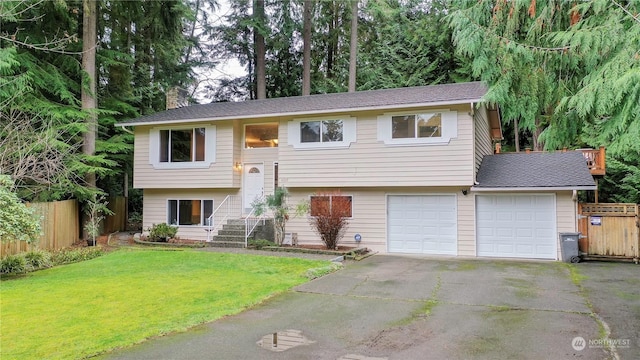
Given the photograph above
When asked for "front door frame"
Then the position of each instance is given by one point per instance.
(246, 167)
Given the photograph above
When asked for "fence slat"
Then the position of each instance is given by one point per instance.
(614, 232)
(59, 224)
(117, 221)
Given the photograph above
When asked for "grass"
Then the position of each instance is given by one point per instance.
(127, 296)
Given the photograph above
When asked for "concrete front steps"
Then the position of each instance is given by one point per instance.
(230, 236)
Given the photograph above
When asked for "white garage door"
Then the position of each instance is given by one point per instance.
(522, 226)
(424, 224)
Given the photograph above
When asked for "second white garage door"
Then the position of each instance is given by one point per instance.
(521, 226)
(422, 224)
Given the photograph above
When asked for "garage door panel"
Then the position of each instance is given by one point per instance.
(425, 224)
(516, 226)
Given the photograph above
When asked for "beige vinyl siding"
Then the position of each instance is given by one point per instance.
(466, 224)
(237, 153)
(370, 217)
(155, 208)
(220, 174)
(370, 162)
(566, 215)
(482, 136)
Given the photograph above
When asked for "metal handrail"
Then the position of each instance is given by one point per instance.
(225, 210)
(250, 223)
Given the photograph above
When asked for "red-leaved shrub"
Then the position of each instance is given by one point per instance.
(330, 213)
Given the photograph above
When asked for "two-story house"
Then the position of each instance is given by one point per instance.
(410, 161)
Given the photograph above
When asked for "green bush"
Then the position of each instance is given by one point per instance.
(260, 243)
(68, 256)
(41, 259)
(162, 232)
(38, 259)
(13, 264)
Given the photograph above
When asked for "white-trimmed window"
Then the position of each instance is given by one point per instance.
(182, 147)
(261, 135)
(188, 212)
(330, 132)
(321, 131)
(324, 204)
(409, 128)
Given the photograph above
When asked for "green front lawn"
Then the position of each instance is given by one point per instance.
(124, 297)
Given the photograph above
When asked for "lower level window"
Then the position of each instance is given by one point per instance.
(322, 205)
(189, 212)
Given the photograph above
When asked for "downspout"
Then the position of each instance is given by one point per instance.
(472, 113)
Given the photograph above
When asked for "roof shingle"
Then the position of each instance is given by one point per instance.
(360, 100)
(535, 170)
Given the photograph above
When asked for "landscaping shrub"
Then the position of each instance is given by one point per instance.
(38, 259)
(329, 218)
(260, 243)
(13, 264)
(162, 232)
(41, 259)
(277, 204)
(68, 256)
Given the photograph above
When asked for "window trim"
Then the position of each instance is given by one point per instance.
(330, 196)
(202, 218)
(209, 148)
(244, 135)
(348, 133)
(449, 123)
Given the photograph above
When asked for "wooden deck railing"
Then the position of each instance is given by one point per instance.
(595, 160)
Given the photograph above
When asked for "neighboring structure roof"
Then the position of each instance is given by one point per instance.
(434, 95)
(546, 170)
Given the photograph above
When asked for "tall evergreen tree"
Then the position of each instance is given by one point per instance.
(353, 46)
(306, 43)
(405, 44)
(568, 71)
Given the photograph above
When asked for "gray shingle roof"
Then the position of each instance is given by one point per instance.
(323, 103)
(535, 170)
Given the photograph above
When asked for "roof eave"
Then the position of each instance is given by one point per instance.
(303, 113)
(533, 188)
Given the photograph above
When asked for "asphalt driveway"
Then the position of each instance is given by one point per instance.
(394, 307)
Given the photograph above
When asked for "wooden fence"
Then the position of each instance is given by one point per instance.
(610, 230)
(117, 221)
(59, 225)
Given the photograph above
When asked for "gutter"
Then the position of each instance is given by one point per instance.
(300, 113)
(552, 188)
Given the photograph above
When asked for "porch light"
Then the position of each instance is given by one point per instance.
(237, 166)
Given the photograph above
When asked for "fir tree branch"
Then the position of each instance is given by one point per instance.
(636, 17)
(532, 47)
(57, 45)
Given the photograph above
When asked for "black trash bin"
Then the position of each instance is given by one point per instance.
(569, 243)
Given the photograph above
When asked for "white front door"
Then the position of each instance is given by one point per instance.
(253, 184)
(422, 224)
(516, 225)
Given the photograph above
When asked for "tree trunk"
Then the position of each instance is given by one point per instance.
(353, 46)
(537, 144)
(261, 87)
(88, 89)
(88, 92)
(306, 50)
(516, 133)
